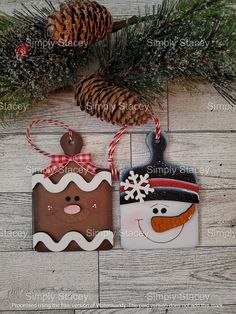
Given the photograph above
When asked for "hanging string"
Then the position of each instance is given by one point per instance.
(112, 147)
(41, 122)
(116, 140)
(157, 128)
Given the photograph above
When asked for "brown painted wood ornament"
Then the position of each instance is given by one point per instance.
(72, 199)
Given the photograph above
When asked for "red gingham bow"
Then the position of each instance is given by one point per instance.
(59, 162)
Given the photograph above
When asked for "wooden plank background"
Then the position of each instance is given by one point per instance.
(201, 129)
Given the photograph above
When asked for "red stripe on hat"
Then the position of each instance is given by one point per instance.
(172, 184)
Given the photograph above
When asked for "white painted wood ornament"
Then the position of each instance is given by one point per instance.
(158, 201)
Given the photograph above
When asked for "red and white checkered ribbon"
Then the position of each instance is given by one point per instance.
(58, 162)
(116, 141)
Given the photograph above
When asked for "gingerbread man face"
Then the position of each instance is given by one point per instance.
(72, 210)
(72, 205)
(59, 210)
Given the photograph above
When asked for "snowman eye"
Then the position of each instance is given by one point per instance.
(163, 210)
(155, 211)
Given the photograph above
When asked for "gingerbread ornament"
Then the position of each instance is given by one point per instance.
(72, 199)
(158, 201)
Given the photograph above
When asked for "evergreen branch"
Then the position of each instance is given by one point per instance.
(127, 58)
(35, 16)
(5, 21)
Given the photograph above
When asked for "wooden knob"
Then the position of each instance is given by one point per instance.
(157, 148)
(73, 147)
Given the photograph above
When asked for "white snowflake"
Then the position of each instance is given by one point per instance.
(136, 184)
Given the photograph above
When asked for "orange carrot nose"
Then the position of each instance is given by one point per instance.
(162, 224)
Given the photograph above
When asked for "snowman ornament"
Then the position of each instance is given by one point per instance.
(158, 202)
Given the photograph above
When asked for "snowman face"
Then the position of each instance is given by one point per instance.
(158, 224)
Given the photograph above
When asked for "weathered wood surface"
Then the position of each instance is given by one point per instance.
(211, 155)
(214, 163)
(188, 276)
(202, 135)
(41, 312)
(29, 280)
(63, 104)
(228, 309)
(199, 109)
(117, 8)
(216, 227)
(16, 172)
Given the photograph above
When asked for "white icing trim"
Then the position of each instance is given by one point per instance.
(71, 177)
(73, 236)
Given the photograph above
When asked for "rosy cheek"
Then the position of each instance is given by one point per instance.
(94, 205)
(51, 210)
(132, 217)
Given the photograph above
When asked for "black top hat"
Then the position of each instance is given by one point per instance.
(158, 179)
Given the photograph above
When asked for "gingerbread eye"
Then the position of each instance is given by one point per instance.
(163, 210)
(68, 198)
(155, 211)
(76, 198)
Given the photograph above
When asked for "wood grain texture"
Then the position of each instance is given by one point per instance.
(119, 277)
(40, 312)
(188, 276)
(217, 227)
(217, 218)
(16, 172)
(16, 222)
(211, 155)
(217, 221)
(200, 109)
(215, 164)
(62, 106)
(117, 8)
(29, 279)
(229, 309)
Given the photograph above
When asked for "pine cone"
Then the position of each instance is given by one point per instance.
(110, 103)
(79, 22)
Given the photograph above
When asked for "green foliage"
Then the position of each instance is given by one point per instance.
(5, 21)
(180, 39)
(160, 47)
(46, 68)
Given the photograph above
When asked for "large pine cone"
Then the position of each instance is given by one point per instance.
(79, 22)
(109, 102)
